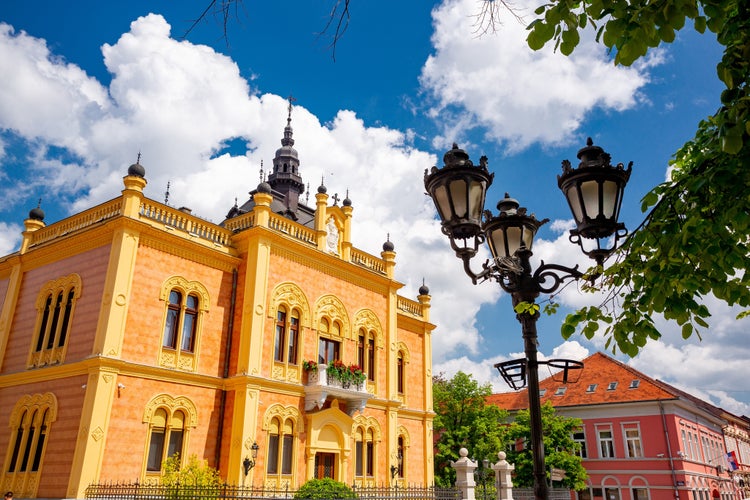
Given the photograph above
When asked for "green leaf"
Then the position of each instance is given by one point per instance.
(700, 24)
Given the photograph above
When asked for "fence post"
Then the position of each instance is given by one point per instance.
(465, 474)
(503, 480)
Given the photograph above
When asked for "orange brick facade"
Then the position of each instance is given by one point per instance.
(93, 409)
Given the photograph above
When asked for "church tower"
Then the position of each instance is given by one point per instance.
(285, 178)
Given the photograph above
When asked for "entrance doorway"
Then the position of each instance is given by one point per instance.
(325, 465)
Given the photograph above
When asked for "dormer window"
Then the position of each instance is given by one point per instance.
(612, 386)
(591, 387)
(634, 384)
(560, 391)
(542, 392)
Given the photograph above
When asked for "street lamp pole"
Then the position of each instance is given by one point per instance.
(594, 193)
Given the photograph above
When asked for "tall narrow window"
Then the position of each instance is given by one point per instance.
(185, 304)
(359, 452)
(400, 372)
(31, 419)
(401, 450)
(371, 357)
(328, 348)
(55, 305)
(369, 454)
(280, 338)
(580, 438)
(632, 441)
(293, 337)
(166, 438)
(280, 447)
(606, 443)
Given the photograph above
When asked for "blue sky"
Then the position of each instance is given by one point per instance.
(87, 85)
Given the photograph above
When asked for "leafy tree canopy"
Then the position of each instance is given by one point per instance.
(464, 420)
(693, 242)
(559, 448)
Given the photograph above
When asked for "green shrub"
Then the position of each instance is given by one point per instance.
(320, 489)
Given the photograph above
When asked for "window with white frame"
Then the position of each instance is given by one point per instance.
(632, 435)
(580, 438)
(606, 442)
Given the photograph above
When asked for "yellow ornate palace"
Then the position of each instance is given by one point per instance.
(134, 331)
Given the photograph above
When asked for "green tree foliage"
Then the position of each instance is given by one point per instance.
(694, 240)
(196, 479)
(559, 448)
(320, 489)
(463, 420)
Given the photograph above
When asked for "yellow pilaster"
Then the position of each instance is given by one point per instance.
(390, 263)
(321, 205)
(244, 428)
(92, 431)
(346, 237)
(258, 259)
(428, 451)
(110, 329)
(262, 208)
(9, 306)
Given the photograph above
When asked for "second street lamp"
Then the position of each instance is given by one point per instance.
(594, 192)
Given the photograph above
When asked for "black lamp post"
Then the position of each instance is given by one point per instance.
(248, 463)
(594, 192)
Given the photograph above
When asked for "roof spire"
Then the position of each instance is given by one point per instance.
(166, 194)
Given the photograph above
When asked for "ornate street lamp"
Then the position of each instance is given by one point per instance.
(248, 463)
(594, 192)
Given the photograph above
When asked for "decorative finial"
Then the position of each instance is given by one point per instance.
(261, 171)
(289, 116)
(138, 158)
(166, 194)
(307, 194)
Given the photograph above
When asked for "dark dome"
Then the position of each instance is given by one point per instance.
(347, 202)
(423, 290)
(36, 213)
(388, 246)
(137, 170)
(264, 187)
(322, 189)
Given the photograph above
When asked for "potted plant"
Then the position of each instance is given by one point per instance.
(357, 375)
(337, 371)
(310, 367)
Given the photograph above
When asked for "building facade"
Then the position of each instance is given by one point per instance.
(133, 332)
(642, 439)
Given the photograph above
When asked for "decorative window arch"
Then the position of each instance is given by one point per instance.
(291, 311)
(402, 359)
(402, 450)
(333, 327)
(55, 305)
(282, 425)
(366, 434)
(186, 302)
(369, 341)
(169, 420)
(30, 423)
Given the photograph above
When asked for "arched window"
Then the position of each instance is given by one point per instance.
(30, 420)
(366, 353)
(286, 339)
(186, 302)
(400, 372)
(280, 447)
(55, 305)
(364, 452)
(166, 437)
(169, 422)
(401, 454)
(181, 321)
(328, 344)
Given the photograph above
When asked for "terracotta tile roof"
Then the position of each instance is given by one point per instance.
(603, 380)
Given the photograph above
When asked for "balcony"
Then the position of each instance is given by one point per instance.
(320, 386)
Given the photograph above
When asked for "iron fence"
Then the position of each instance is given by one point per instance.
(136, 491)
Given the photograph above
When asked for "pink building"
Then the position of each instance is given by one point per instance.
(643, 439)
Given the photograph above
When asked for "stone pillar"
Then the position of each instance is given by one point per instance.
(503, 481)
(465, 474)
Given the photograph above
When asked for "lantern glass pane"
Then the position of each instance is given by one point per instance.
(575, 203)
(528, 237)
(459, 196)
(609, 199)
(590, 194)
(442, 202)
(476, 199)
(496, 240)
(513, 235)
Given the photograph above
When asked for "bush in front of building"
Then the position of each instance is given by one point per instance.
(323, 489)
